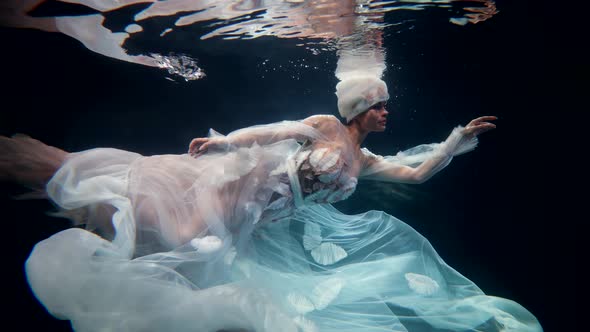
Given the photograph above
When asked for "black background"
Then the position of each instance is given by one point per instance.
(494, 214)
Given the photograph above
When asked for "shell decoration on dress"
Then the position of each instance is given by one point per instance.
(421, 284)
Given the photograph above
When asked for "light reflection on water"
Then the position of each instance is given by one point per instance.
(353, 29)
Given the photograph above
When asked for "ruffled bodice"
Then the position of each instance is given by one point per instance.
(310, 176)
(323, 176)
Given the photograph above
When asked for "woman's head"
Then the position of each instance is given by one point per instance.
(358, 94)
(373, 119)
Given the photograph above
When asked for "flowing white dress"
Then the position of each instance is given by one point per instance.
(246, 239)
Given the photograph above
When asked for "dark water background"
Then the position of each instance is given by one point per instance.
(489, 214)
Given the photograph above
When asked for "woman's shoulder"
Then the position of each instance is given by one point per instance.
(321, 119)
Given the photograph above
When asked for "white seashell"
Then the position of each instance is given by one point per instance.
(301, 303)
(316, 156)
(421, 284)
(328, 253)
(207, 244)
(326, 292)
(312, 236)
(300, 157)
(329, 160)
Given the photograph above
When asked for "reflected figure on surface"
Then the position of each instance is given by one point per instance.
(334, 25)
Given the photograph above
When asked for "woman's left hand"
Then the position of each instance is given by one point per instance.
(478, 126)
(200, 145)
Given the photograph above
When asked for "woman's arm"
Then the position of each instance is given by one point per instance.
(421, 163)
(388, 169)
(262, 135)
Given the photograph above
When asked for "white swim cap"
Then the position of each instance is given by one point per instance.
(356, 94)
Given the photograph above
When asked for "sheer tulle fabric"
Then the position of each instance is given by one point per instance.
(315, 270)
(456, 144)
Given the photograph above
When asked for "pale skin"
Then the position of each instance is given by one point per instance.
(357, 130)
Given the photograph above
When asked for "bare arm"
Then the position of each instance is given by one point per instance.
(380, 169)
(262, 135)
(421, 167)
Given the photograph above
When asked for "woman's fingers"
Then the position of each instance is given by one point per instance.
(484, 124)
(197, 144)
(486, 118)
(484, 127)
(205, 145)
(200, 145)
(474, 130)
(482, 119)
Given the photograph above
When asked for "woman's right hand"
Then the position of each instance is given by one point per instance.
(479, 126)
(200, 145)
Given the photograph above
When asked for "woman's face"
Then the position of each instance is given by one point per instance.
(375, 119)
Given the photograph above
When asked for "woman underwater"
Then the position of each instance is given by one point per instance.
(239, 233)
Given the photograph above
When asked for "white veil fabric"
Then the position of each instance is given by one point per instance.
(316, 269)
(443, 152)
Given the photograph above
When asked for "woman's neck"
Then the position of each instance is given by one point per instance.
(356, 133)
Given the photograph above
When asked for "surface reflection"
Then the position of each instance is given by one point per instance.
(352, 28)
